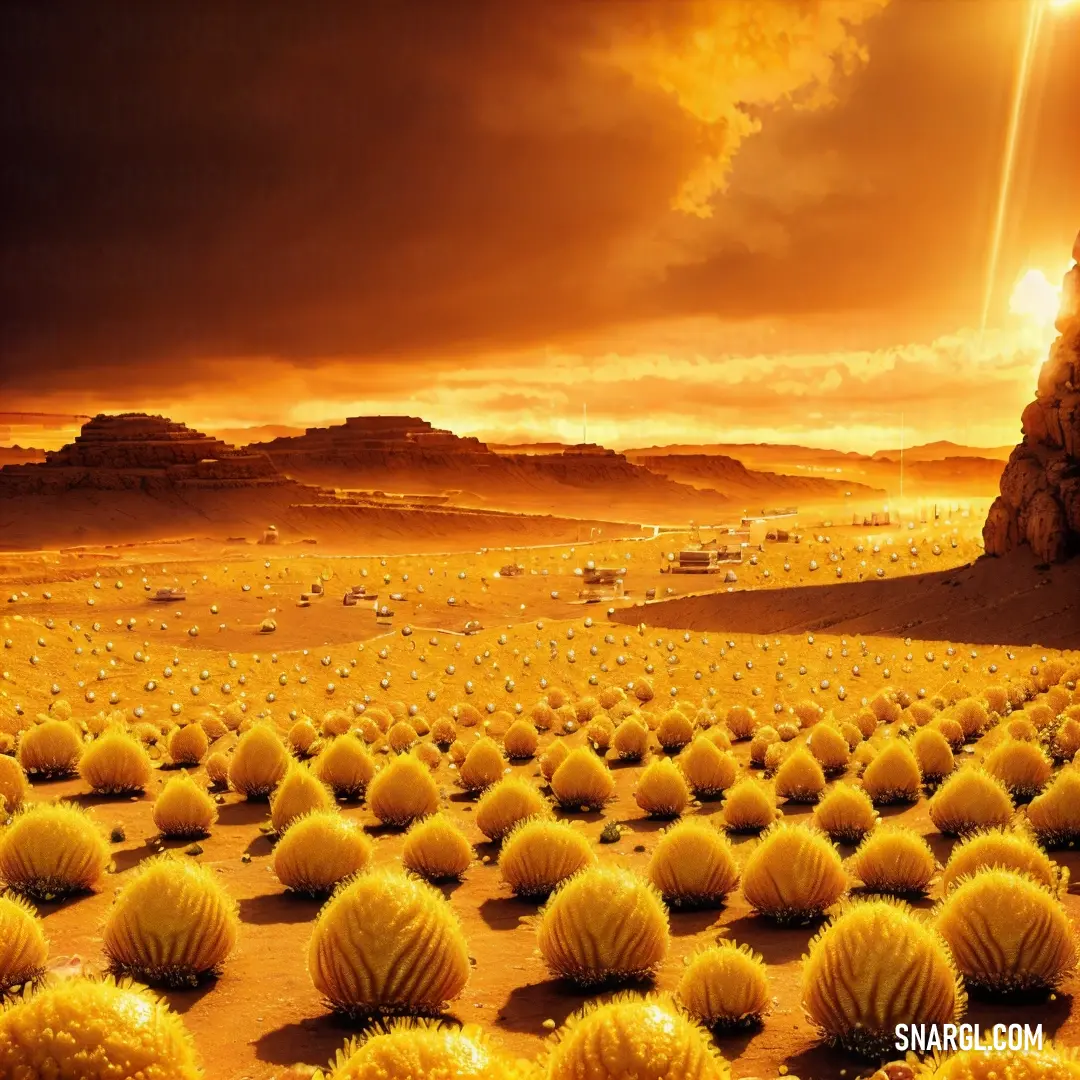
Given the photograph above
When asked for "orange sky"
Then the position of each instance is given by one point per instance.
(725, 221)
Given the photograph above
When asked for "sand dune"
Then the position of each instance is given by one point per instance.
(1012, 600)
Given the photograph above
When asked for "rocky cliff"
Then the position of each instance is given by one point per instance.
(1039, 504)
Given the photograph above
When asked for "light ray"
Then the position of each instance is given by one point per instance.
(1019, 100)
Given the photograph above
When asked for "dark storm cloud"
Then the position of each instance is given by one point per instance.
(189, 182)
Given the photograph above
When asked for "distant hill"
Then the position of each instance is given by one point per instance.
(20, 455)
(938, 451)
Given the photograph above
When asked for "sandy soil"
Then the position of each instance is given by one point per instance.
(263, 1014)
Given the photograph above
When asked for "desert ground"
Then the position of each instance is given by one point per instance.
(84, 643)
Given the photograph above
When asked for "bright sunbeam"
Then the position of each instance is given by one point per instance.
(1020, 93)
(1036, 298)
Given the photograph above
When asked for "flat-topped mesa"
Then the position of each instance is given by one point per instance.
(1039, 504)
(372, 434)
(133, 450)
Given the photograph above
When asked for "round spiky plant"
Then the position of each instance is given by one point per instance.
(874, 966)
(604, 925)
(725, 986)
(539, 854)
(362, 963)
(94, 1030)
(52, 849)
(412, 1048)
(644, 1037)
(171, 924)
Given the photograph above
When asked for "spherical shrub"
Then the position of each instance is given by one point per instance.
(520, 740)
(542, 715)
(52, 849)
(604, 925)
(643, 690)
(748, 806)
(599, 732)
(885, 707)
(50, 749)
(401, 736)
(443, 732)
(866, 722)
(725, 986)
(933, 754)
(337, 722)
(846, 814)
(319, 851)
(775, 755)
(874, 966)
(970, 799)
(693, 865)
(83, 1029)
(610, 696)
(741, 721)
(1047, 1063)
(709, 770)
(171, 924)
(893, 775)
(402, 791)
(188, 745)
(972, 717)
(1004, 849)
(661, 790)
(1054, 816)
(298, 793)
(302, 736)
(1007, 933)
(582, 780)
(1065, 740)
(115, 764)
(852, 735)
(217, 769)
(259, 762)
(830, 749)
(539, 854)
(363, 964)
(1022, 728)
(184, 809)
(24, 952)
(346, 767)
(793, 874)
(631, 739)
(503, 805)
(896, 860)
(764, 737)
(644, 1037)
(674, 730)
(482, 767)
(14, 787)
(800, 778)
(719, 734)
(436, 849)
(1021, 766)
(552, 758)
(952, 731)
(415, 1049)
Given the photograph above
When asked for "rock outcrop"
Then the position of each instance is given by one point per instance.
(1039, 504)
(133, 451)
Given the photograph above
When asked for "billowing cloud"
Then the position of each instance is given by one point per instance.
(727, 62)
(465, 210)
